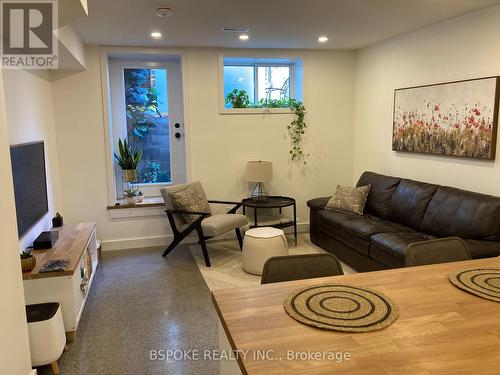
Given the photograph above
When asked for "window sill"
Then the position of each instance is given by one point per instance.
(148, 202)
(255, 111)
(150, 207)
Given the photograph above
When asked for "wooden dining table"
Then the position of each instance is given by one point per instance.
(441, 329)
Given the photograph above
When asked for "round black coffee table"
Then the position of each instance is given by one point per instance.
(272, 202)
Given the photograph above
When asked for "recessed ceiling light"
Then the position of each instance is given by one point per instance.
(323, 39)
(156, 35)
(243, 37)
(164, 11)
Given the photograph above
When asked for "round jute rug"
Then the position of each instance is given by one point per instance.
(483, 282)
(341, 307)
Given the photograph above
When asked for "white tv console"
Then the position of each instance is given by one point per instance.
(77, 242)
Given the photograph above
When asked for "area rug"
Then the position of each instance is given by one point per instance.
(341, 307)
(483, 282)
(225, 257)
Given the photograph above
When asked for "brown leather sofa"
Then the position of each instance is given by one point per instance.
(399, 212)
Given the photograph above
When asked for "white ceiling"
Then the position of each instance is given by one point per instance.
(349, 24)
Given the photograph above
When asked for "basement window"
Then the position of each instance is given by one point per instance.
(256, 85)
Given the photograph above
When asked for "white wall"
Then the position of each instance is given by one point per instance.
(462, 48)
(14, 345)
(218, 146)
(30, 118)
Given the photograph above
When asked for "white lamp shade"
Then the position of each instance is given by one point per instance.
(259, 171)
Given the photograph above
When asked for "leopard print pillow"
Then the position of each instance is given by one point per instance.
(349, 199)
(188, 199)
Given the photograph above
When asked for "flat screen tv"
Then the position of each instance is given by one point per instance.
(30, 184)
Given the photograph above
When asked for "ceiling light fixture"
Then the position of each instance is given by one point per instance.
(164, 11)
(243, 37)
(156, 35)
(323, 39)
(236, 29)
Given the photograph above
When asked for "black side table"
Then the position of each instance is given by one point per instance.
(272, 202)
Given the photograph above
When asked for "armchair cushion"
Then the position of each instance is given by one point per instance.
(190, 200)
(216, 225)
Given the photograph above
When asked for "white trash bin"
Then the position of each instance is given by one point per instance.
(46, 334)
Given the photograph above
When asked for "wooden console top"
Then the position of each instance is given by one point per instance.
(72, 242)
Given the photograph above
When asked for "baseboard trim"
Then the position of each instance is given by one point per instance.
(143, 242)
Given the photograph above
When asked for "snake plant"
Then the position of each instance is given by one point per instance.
(128, 157)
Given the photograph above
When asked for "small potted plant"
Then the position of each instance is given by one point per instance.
(238, 99)
(131, 195)
(57, 221)
(28, 261)
(128, 157)
(140, 197)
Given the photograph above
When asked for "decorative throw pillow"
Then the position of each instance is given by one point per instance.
(349, 199)
(188, 199)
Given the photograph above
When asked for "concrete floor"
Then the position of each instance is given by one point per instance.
(141, 302)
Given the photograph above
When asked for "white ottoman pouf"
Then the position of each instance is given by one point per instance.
(259, 245)
(46, 334)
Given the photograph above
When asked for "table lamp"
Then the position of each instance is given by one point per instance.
(259, 172)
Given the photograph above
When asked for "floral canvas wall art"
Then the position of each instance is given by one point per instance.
(456, 118)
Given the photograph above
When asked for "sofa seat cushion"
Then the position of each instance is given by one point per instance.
(332, 218)
(352, 241)
(366, 226)
(396, 243)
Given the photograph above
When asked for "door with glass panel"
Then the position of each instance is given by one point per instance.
(147, 110)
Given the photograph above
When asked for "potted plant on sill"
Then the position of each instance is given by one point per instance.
(128, 158)
(238, 99)
(57, 221)
(132, 195)
(28, 261)
(140, 197)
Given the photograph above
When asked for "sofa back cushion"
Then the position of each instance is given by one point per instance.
(381, 190)
(409, 202)
(455, 212)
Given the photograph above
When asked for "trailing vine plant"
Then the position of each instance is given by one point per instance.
(296, 131)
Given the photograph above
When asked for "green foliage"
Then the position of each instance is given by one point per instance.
(238, 99)
(152, 172)
(274, 103)
(296, 131)
(130, 193)
(58, 216)
(141, 100)
(128, 156)
(26, 253)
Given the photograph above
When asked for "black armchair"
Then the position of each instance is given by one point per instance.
(206, 224)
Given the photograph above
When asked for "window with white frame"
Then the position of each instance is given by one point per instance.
(261, 83)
